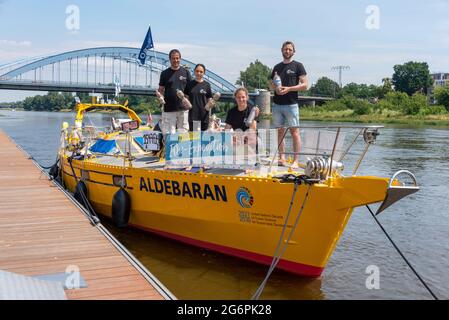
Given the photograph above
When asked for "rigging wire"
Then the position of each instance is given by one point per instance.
(279, 253)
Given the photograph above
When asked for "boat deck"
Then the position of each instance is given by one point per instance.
(42, 232)
(154, 163)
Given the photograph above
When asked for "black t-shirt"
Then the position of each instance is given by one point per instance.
(199, 93)
(289, 74)
(173, 80)
(236, 118)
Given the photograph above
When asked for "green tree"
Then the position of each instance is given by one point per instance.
(326, 87)
(442, 95)
(394, 100)
(412, 77)
(257, 75)
(416, 103)
(351, 89)
(361, 91)
(387, 86)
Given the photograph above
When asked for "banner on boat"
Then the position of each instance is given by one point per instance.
(218, 148)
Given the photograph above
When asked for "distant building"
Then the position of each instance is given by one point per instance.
(440, 79)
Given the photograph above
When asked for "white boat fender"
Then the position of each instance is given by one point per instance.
(121, 208)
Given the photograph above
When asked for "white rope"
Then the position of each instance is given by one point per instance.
(277, 257)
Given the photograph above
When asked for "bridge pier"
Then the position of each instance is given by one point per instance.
(263, 100)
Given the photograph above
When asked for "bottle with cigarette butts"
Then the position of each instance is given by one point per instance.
(185, 102)
(211, 103)
(160, 98)
(251, 117)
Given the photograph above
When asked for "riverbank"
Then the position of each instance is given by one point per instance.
(389, 118)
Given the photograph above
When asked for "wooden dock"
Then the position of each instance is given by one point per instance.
(43, 232)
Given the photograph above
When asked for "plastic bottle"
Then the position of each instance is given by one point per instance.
(251, 117)
(277, 80)
(185, 102)
(160, 97)
(210, 104)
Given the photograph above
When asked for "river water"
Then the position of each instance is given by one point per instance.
(418, 224)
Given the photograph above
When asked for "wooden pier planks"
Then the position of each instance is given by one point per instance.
(43, 232)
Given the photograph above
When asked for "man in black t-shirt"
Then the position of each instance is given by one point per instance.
(174, 115)
(285, 102)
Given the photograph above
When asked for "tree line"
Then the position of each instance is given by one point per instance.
(410, 85)
(412, 79)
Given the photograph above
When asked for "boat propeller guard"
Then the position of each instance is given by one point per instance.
(399, 191)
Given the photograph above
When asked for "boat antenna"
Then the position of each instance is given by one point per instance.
(401, 254)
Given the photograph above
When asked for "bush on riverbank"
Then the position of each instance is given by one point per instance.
(442, 95)
(394, 103)
(395, 107)
(53, 101)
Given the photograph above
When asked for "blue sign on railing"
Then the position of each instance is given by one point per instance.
(196, 148)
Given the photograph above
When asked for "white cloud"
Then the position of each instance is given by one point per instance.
(15, 95)
(76, 45)
(14, 43)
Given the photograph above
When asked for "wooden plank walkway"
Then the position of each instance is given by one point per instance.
(43, 232)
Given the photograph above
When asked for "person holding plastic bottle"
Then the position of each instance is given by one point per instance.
(242, 119)
(199, 94)
(288, 77)
(172, 81)
(243, 116)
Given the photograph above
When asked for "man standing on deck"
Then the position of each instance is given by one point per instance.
(174, 114)
(293, 78)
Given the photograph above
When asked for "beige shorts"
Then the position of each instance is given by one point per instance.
(173, 121)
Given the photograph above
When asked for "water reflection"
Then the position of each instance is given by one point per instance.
(202, 274)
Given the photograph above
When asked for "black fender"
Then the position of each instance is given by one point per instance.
(80, 190)
(54, 171)
(121, 208)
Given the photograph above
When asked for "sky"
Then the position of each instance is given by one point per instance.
(227, 35)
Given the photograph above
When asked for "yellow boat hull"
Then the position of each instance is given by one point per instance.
(240, 216)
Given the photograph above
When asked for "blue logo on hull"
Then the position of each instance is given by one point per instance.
(245, 198)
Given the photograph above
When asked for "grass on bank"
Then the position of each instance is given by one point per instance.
(396, 107)
(349, 116)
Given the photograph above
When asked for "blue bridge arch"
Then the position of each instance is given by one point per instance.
(156, 62)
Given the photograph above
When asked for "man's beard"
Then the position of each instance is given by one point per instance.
(287, 56)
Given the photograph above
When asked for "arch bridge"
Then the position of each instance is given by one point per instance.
(95, 70)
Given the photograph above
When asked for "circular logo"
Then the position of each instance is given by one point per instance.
(245, 198)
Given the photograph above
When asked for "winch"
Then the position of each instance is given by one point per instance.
(319, 167)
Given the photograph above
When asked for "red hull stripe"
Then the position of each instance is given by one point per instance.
(294, 267)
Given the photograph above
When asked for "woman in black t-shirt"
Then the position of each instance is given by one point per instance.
(237, 116)
(199, 93)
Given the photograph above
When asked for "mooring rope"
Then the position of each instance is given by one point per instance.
(94, 217)
(278, 255)
(401, 254)
(43, 167)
